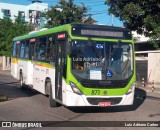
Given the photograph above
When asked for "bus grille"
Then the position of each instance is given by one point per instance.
(103, 85)
(95, 101)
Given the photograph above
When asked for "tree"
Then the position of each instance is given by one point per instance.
(8, 31)
(140, 15)
(21, 27)
(5, 35)
(89, 20)
(66, 12)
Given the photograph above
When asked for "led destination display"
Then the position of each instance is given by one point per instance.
(101, 31)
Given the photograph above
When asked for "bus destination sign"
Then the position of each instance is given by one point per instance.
(61, 36)
(101, 31)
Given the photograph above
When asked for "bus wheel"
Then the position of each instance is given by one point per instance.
(53, 103)
(21, 81)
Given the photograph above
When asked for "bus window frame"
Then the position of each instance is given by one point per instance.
(37, 48)
(22, 42)
(14, 50)
(30, 57)
(54, 43)
(25, 48)
(17, 49)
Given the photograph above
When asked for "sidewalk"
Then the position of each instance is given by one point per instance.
(5, 72)
(153, 94)
(151, 90)
(147, 92)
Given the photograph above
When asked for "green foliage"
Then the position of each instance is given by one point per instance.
(89, 20)
(67, 12)
(142, 16)
(9, 30)
(5, 36)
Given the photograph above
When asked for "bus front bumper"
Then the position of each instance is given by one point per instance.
(73, 99)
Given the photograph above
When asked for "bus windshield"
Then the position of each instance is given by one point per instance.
(97, 60)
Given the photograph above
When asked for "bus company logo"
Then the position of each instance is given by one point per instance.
(6, 124)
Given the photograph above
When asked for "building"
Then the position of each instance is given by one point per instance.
(147, 62)
(143, 43)
(139, 38)
(29, 13)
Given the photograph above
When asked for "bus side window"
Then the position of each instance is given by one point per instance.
(14, 49)
(17, 50)
(42, 48)
(26, 55)
(22, 47)
(50, 54)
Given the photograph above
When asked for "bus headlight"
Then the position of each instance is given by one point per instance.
(131, 89)
(75, 88)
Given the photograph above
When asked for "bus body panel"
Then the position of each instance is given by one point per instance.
(30, 73)
(14, 65)
(26, 67)
(41, 72)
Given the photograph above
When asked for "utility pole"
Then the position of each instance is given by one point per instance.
(112, 20)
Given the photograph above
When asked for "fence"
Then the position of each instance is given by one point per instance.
(5, 63)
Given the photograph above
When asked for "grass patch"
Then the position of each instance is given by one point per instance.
(3, 98)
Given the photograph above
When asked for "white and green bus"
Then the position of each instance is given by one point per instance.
(77, 64)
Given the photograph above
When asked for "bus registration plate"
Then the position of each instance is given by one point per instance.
(104, 104)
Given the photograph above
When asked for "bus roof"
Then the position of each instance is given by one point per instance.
(43, 32)
(66, 27)
(101, 27)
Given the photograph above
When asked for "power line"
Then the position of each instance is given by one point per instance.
(97, 5)
(89, 1)
(100, 13)
(76, 2)
(81, 1)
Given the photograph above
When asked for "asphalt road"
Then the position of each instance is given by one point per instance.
(29, 105)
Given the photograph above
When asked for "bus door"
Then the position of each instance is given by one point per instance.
(60, 65)
(32, 43)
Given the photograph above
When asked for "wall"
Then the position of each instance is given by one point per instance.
(154, 69)
(0, 62)
(5, 63)
(14, 8)
(139, 38)
(34, 16)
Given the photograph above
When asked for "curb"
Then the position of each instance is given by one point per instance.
(150, 90)
(149, 93)
(5, 72)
